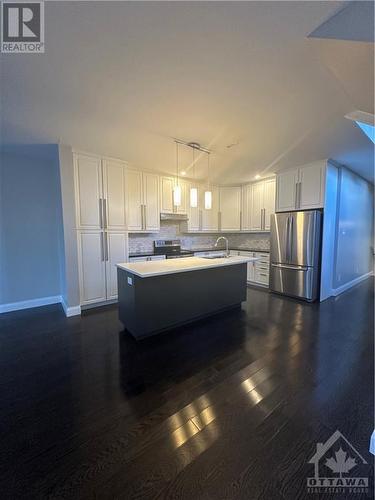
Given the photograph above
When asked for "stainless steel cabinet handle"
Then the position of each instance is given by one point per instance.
(105, 246)
(104, 212)
(299, 194)
(241, 220)
(219, 220)
(101, 247)
(141, 216)
(101, 213)
(200, 220)
(144, 216)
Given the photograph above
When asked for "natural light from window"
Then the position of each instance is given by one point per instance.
(369, 130)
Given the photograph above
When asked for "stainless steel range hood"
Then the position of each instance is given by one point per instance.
(176, 217)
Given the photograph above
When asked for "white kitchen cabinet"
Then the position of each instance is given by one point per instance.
(311, 186)
(301, 188)
(151, 202)
(92, 276)
(210, 217)
(134, 200)
(258, 205)
(88, 191)
(269, 198)
(99, 252)
(115, 253)
(114, 194)
(230, 208)
(142, 201)
(286, 188)
(167, 185)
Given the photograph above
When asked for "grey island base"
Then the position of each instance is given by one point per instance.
(157, 296)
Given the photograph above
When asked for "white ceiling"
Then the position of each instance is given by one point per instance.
(123, 78)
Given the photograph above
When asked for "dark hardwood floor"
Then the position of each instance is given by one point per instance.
(231, 407)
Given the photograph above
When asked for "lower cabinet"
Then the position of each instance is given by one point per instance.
(257, 271)
(98, 254)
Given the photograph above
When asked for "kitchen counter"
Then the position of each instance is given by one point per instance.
(155, 296)
(222, 249)
(151, 253)
(182, 265)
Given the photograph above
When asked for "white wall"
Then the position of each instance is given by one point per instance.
(354, 232)
(30, 225)
(347, 246)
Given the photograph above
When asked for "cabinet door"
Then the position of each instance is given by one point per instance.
(311, 187)
(88, 191)
(246, 207)
(193, 222)
(230, 208)
(116, 254)
(268, 202)
(256, 216)
(166, 195)
(185, 198)
(134, 200)
(91, 267)
(286, 183)
(151, 202)
(114, 194)
(210, 218)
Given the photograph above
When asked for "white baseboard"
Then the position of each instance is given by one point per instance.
(70, 311)
(28, 304)
(350, 284)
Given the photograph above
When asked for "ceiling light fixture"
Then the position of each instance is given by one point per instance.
(257, 177)
(177, 187)
(208, 192)
(193, 190)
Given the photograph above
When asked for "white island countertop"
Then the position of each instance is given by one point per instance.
(173, 266)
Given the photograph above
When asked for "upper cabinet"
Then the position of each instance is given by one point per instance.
(258, 205)
(88, 191)
(142, 201)
(210, 217)
(100, 193)
(114, 194)
(301, 188)
(230, 208)
(167, 205)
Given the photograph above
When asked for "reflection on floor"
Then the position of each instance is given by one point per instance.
(231, 407)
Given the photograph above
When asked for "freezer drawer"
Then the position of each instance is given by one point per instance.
(299, 282)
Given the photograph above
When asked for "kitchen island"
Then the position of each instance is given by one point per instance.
(160, 295)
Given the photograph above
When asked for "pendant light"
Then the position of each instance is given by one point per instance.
(208, 192)
(177, 187)
(193, 190)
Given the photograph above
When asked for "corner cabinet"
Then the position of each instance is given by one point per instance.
(230, 209)
(301, 188)
(142, 201)
(258, 205)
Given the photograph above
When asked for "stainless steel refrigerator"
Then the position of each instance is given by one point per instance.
(295, 253)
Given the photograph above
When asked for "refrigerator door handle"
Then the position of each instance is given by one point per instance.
(294, 268)
(287, 242)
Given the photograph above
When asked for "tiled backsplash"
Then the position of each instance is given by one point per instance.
(170, 230)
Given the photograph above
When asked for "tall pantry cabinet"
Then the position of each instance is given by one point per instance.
(101, 225)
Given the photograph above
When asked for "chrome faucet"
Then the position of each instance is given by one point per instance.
(226, 244)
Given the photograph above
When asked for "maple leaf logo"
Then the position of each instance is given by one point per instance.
(340, 464)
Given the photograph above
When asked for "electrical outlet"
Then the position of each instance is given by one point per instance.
(130, 281)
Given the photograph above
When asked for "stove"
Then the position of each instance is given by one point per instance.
(171, 249)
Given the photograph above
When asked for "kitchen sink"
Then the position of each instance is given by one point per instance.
(214, 256)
